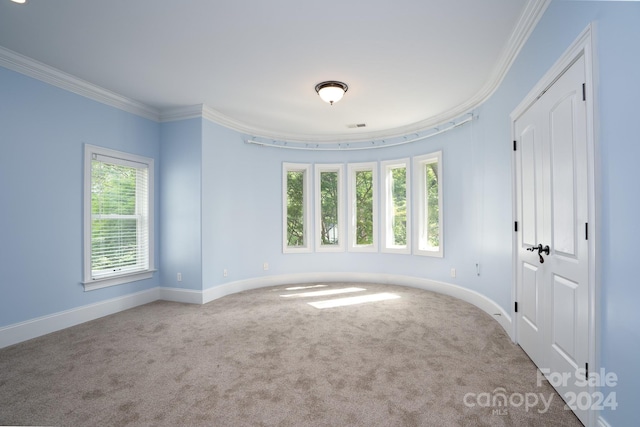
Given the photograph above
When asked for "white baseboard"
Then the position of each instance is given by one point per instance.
(33, 328)
(181, 295)
(475, 298)
(39, 326)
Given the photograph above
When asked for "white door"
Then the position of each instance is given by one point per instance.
(552, 210)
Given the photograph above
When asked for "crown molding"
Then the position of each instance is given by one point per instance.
(527, 22)
(45, 73)
(529, 18)
(182, 113)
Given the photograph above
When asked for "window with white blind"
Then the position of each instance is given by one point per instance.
(118, 217)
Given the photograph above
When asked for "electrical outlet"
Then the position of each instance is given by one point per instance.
(453, 272)
(225, 273)
(179, 277)
(265, 266)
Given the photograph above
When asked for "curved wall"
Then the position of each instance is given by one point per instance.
(242, 215)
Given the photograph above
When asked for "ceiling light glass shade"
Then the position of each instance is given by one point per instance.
(331, 91)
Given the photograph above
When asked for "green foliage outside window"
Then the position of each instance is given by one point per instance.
(295, 208)
(364, 207)
(399, 197)
(114, 235)
(329, 208)
(433, 209)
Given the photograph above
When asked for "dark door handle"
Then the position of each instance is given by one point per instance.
(540, 250)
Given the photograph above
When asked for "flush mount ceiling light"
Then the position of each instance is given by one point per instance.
(331, 91)
(19, 1)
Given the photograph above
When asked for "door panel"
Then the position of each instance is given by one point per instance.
(563, 176)
(552, 204)
(564, 328)
(529, 200)
(569, 264)
(529, 187)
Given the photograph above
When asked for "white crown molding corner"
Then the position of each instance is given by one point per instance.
(472, 297)
(182, 113)
(39, 326)
(45, 73)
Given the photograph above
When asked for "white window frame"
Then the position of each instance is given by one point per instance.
(339, 168)
(353, 168)
(421, 247)
(90, 282)
(308, 235)
(386, 203)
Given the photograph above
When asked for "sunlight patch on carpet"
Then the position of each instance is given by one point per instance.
(341, 302)
(323, 293)
(299, 288)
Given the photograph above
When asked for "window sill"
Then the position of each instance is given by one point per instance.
(92, 285)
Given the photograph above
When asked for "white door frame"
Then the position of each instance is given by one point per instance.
(581, 46)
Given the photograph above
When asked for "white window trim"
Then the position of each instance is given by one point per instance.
(385, 166)
(308, 235)
(420, 205)
(90, 283)
(339, 168)
(352, 169)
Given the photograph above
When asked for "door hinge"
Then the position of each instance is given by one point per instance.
(515, 226)
(516, 306)
(586, 371)
(514, 145)
(586, 231)
(584, 91)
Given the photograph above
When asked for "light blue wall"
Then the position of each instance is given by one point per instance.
(617, 41)
(180, 207)
(242, 211)
(42, 132)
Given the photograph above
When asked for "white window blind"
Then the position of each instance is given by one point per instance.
(119, 235)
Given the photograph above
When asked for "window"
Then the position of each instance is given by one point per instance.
(296, 190)
(363, 207)
(428, 185)
(329, 216)
(118, 218)
(396, 225)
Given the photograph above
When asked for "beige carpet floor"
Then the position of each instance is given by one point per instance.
(260, 359)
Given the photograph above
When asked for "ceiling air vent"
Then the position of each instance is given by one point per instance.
(357, 125)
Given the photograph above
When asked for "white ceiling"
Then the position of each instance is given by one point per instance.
(409, 64)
